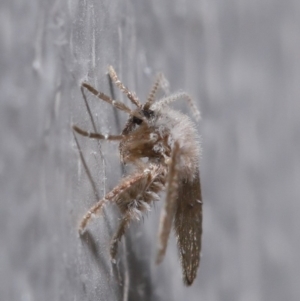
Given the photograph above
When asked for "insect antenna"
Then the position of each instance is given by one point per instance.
(180, 95)
(160, 82)
(154, 89)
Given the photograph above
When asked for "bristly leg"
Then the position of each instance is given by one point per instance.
(131, 96)
(96, 135)
(93, 210)
(123, 226)
(117, 104)
(125, 186)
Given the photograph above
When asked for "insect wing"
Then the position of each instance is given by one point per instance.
(188, 227)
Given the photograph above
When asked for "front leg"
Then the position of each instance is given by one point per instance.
(136, 200)
(126, 185)
(97, 135)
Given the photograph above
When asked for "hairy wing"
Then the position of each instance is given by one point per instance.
(188, 227)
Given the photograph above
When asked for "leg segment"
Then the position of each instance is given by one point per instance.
(131, 207)
(131, 96)
(117, 104)
(123, 226)
(94, 210)
(117, 192)
(96, 135)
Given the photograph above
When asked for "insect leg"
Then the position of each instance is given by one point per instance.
(168, 212)
(133, 201)
(124, 224)
(131, 96)
(93, 210)
(127, 184)
(117, 104)
(96, 135)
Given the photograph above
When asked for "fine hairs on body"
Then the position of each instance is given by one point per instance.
(163, 147)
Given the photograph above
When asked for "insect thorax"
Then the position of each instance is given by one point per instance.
(154, 139)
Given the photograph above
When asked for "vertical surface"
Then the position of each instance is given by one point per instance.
(239, 59)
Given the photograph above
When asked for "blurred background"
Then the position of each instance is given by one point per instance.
(240, 60)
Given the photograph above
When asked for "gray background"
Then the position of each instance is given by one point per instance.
(241, 62)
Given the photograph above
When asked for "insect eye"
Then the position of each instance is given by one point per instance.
(148, 113)
(137, 120)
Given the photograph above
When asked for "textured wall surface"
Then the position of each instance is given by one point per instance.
(241, 62)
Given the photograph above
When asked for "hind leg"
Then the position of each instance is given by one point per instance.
(123, 226)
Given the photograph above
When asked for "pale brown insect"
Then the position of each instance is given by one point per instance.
(163, 146)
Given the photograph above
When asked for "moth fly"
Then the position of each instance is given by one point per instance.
(163, 147)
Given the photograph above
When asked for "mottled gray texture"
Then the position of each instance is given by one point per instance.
(241, 62)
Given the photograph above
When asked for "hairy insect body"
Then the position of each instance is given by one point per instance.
(163, 146)
(155, 140)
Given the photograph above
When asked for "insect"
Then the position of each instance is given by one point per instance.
(163, 147)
